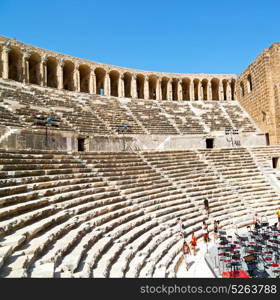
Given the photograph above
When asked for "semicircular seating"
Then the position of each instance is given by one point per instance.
(110, 214)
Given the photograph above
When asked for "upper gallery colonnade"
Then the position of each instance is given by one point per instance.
(28, 64)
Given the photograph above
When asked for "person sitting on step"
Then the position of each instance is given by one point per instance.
(205, 232)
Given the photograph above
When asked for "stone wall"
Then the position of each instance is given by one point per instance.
(27, 139)
(173, 143)
(260, 98)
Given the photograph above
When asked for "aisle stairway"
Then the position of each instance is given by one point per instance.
(105, 214)
(101, 115)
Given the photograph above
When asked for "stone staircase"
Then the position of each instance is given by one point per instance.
(110, 214)
(95, 114)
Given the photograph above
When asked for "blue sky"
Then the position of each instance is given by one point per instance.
(179, 36)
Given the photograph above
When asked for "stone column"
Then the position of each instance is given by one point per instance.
(133, 88)
(221, 91)
(59, 73)
(191, 90)
(159, 95)
(92, 82)
(25, 66)
(107, 87)
(199, 90)
(209, 91)
(43, 71)
(76, 74)
(180, 90)
(5, 61)
(233, 89)
(169, 89)
(121, 86)
(146, 88)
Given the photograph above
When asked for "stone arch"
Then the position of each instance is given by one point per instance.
(174, 85)
(152, 87)
(224, 83)
(140, 86)
(186, 83)
(249, 83)
(68, 76)
(164, 82)
(242, 90)
(215, 88)
(127, 77)
(232, 86)
(34, 68)
(114, 83)
(204, 85)
(100, 78)
(84, 71)
(196, 88)
(15, 64)
(51, 65)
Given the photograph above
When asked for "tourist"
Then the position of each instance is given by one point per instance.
(256, 222)
(275, 226)
(218, 225)
(206, 206)
(186, 253)
(216, 228)
(205, 232)
(180, 227)
(193, 243)
(278, 215)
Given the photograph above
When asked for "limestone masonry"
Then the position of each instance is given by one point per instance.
(258, 91)
(92, 100)
(98, 162)
(28, 64)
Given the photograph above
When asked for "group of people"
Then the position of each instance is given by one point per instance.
(189, 248)
(257, 222)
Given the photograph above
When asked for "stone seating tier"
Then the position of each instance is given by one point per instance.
(94, 114)
(8, 118)
(114, 214)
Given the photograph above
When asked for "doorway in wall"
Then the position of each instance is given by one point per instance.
(209, 143)
(81, 144)
(267, 139)
(275, 162)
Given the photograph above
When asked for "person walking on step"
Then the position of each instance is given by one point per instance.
(205, 232)
(216, 228)
(193, 243)
(206, 206)
(186, 253)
